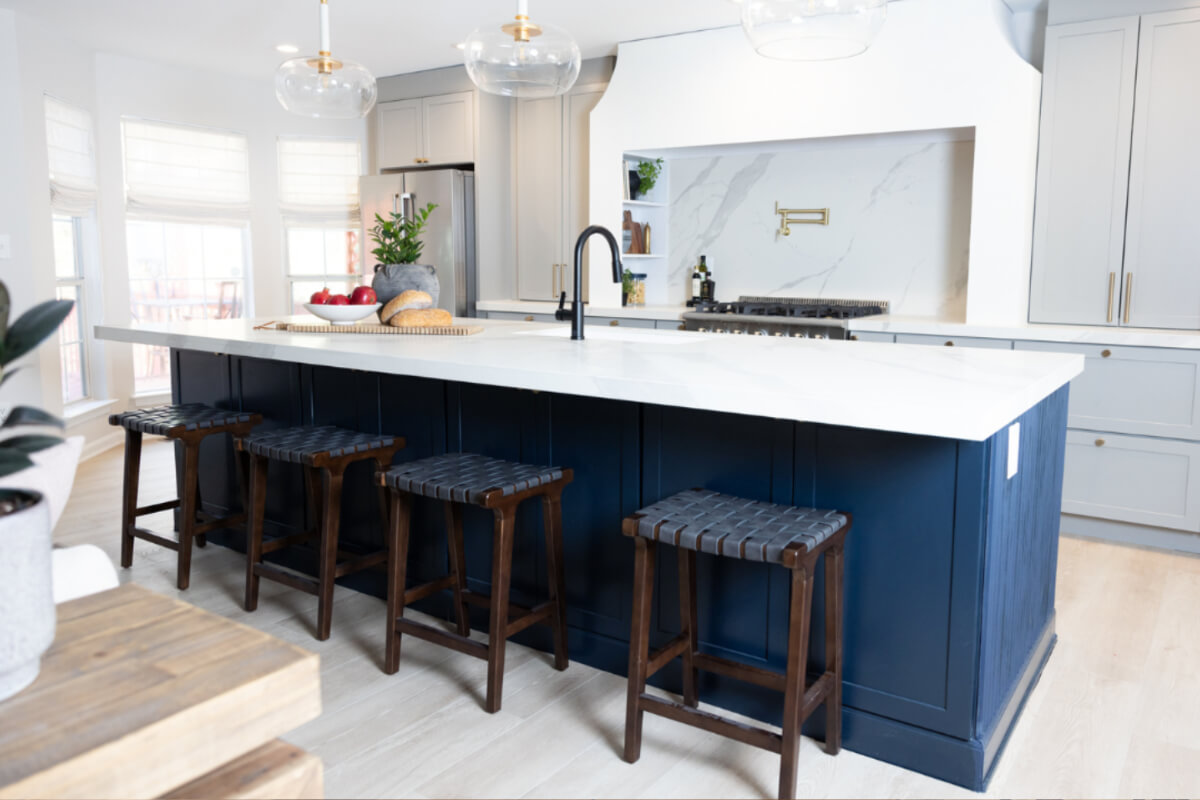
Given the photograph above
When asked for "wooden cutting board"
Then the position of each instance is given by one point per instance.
(376, 328)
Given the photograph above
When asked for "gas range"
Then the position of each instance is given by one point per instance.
(794, 317)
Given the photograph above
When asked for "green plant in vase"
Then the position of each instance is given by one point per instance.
(648, 172)
(626, 286)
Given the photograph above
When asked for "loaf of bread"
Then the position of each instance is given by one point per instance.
(421, 318)
(405, 301)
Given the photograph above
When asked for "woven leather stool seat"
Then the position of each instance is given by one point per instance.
(169, 420)
(723, 525)
(303, 445)
(467, 477)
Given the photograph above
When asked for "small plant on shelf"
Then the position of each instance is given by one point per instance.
(648, 172)
(626, 286)
(399, 238)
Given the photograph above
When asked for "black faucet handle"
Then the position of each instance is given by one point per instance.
(562, 314)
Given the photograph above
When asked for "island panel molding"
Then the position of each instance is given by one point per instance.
(946, 629)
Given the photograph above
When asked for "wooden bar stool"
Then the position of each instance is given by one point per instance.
(736, 528)
(189, 423)
(325, 453)
(493, 484)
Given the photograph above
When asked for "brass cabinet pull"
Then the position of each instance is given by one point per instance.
(683, 327)
(1128, 295)
(614, 323)
(529, 318)
(554, 281)
(949, 344)
(1105, 353)
(1112, 285)
(416, 161)
(1099, 443)
(853, 337)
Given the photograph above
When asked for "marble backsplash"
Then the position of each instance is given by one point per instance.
(900, 216)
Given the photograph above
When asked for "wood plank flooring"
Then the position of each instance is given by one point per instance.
(1116, 713)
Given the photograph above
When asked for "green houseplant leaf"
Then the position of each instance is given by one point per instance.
(30, 443)
(13, 461)
(398, 238)
(27, 415)
(32, 328)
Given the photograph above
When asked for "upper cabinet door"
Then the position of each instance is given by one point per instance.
(577, 110)
(399, 134)
(1087, 119)
(1162, 251)
(450, 128)
(539, 211)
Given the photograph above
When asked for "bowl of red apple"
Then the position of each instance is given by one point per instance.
(341, 309)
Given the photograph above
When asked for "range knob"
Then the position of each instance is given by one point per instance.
(819, 336)
(738, 331)
(702, 330)
(780, 334)
(718, 330)
(760, 332)
(799, 335)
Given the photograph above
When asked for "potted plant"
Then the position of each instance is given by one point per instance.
(399, 248)
(646, 177)
(26, 588)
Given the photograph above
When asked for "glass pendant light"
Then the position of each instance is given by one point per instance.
(812, 30)
(522, 58)
(323, 86)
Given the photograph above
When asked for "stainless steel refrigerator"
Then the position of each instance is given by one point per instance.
(450, 236)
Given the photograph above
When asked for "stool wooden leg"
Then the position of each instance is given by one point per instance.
(639, 644)
(256, 509)
(331, 510)
(498, 624)
(797, 668)
(835, 563)
(187, 512)
(687, 623)
(552, 522)
(133, 461)
(458, 566)
(397, 570)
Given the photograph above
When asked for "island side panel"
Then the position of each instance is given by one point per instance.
(1020, 566)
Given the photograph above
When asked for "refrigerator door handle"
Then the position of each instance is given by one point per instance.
(407, 205)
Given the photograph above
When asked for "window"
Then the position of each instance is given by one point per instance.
(318, 198)
(187, 203)
(72, 160)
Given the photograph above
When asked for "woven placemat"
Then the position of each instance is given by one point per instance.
(376, 328)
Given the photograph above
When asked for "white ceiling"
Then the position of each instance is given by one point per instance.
(388, 36)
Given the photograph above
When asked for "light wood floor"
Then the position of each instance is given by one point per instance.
(1116, 713)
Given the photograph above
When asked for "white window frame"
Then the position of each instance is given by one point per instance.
(79, 284)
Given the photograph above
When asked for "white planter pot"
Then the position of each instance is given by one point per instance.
(26, 594)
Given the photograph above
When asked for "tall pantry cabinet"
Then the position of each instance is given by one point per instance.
(1116, 240)
(551, 169)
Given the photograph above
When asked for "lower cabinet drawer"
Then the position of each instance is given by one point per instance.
(623, 322)
(1133, 479)
(871, 336)
(954, 341)
(517, 316)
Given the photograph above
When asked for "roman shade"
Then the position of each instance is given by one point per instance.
(183, 173)
(318, 181)
(71, 151)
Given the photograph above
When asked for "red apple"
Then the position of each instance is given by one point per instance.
(338, 300)
(363, 296)
(320, 298)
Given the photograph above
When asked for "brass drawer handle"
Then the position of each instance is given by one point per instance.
(529, 319)
(683, 327)
(1128, 295)
(614, 323)
(1112, 285)
(1105, 353)
(949, 344)
(1099, 443)
(852, 337)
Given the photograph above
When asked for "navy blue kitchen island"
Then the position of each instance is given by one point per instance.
(950, 567)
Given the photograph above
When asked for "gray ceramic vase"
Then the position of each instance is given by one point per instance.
(26, 593)
(392, 279)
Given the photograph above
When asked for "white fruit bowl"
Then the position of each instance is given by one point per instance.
(342, 315)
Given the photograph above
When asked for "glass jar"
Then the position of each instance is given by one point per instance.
(637, 291)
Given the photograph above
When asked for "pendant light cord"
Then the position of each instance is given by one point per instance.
(325, 49)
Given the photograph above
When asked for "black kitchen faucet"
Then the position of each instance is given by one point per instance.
(576, 312)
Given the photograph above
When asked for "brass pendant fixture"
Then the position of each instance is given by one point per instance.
(522, 58)
(323, 86)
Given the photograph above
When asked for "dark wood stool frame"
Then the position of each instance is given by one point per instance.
(323, 479)
(799, 702)
(194, 523)
(506, 618)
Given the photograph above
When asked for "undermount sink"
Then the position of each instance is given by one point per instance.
(615, 334)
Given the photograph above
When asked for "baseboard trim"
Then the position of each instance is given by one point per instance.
(101, 444)
(1128, 533)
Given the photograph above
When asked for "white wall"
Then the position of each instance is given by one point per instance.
(899, 223)
(939, 64)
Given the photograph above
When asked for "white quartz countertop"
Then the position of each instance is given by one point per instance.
(1077, 334)
(958, 393)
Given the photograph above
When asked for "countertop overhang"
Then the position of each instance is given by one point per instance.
(956, 393)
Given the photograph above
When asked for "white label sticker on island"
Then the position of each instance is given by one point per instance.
(1014, 448)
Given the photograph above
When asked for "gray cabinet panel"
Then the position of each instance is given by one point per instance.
(1083, 167)
(1133, 479)
(449, 127)
(400, 134)
(1162, 253)
(623, 322)
(669, 324)
(539, 199)
(955, 341)
(1137, 390)
(872, 336)
(517, 316)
